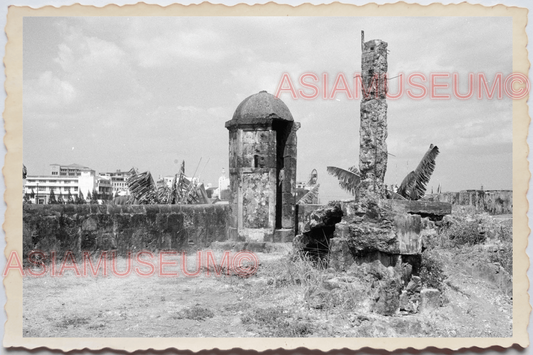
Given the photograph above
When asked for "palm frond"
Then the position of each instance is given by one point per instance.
(407, 187)
(348, 179)
(142, 187)
(396, 196)
(413, 186)
(310, 196)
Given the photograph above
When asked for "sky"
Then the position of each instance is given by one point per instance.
(148, 92)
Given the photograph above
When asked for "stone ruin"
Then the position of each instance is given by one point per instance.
(374, 235)
(383, 238)
(262, 166)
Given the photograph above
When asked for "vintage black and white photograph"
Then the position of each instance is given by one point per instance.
(268, 176)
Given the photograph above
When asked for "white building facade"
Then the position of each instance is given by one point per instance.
(65, 181)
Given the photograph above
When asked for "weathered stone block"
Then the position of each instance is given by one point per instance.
(340, 255)
(106, 241)
(388, 302)
(371, 236)
(89, 224)
(113, 209)
(104, 222)
(408, 232)
(342, 230)
(161, 222)
(83, 210)
(257, 190)
(67, 209)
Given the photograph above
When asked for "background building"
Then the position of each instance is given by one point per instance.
(38, 188)
(67, 170)
(65, 180)
(118, 181)
(222, 191)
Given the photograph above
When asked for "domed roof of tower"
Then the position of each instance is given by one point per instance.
(260, 108)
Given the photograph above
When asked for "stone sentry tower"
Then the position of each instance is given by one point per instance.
(262, 166)
(373, 130)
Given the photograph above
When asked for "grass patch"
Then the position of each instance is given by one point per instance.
(196, 313)
(73, 321)
(432, 270)
(278, 322)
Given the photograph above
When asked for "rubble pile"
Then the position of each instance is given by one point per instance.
(373, 242)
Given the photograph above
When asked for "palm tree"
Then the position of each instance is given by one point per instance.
(142, 186)
(349, 180)
(310, 196)
(94, 199)
(80, 200)
(52, 198)
(413, 186)
(70, 200)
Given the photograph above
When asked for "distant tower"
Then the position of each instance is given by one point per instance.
(223, 184)
(262, 143)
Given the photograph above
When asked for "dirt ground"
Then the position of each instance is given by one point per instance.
(272, 303)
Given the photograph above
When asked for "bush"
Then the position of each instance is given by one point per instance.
(431, 271)
(295, 270)
(504, 256)
(465, 232)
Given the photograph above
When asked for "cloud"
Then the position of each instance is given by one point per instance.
(90, 73)
(48, 92)
(165, 49)
(92, 53)
(153, 90)
(266, 76)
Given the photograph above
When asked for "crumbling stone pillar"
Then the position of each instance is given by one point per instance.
(373, 130)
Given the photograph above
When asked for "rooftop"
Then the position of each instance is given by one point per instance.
(260, 108)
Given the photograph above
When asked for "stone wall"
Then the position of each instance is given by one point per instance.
(123, 228)
(491, 201)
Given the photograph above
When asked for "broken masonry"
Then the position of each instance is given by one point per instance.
(373, 235)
